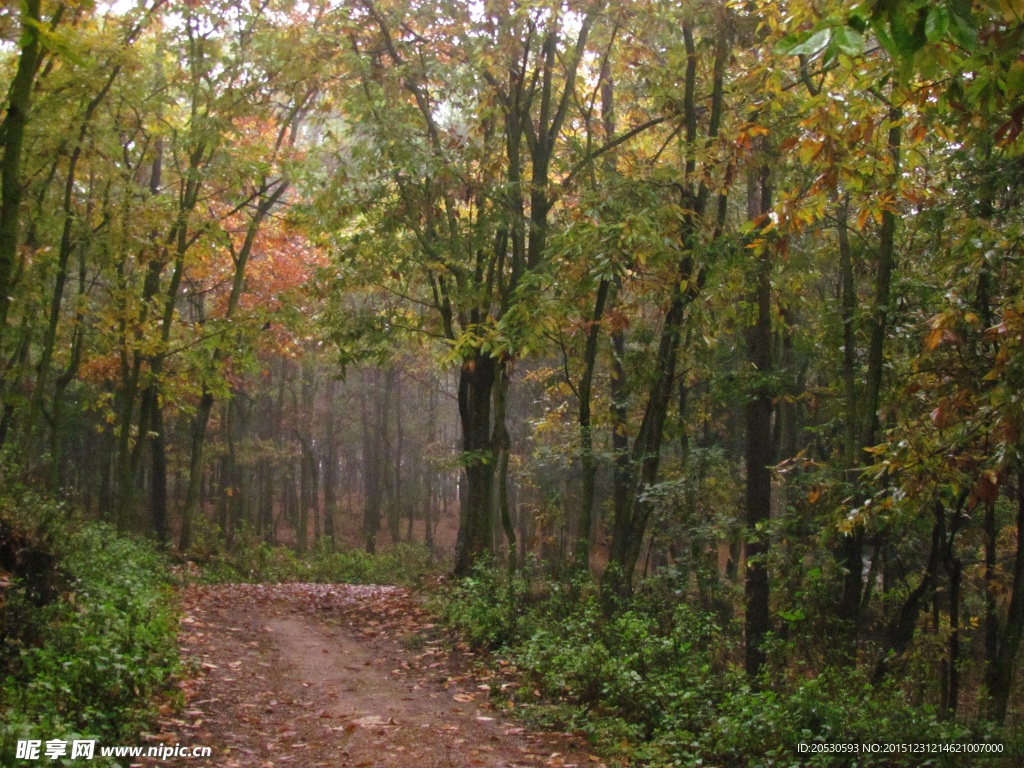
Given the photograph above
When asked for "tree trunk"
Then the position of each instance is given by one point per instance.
(371, 468)
(395, 459)
(852, 548)
(759, 441)
(1003, 667)
(158, 456)
(14, 135)
(901, 631)
(954, 569)
(330, 465)
(241, 260)
(476, 382)
(588, 462)
(195, 469)
(502, 448)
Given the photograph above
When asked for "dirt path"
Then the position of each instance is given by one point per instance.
(340, 675)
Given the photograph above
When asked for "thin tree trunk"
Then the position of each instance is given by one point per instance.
(1002, 674)
(330, 464)
(201, 418)
(759, 442)
(502, 447)
(851, 550)
(901, 632)
(991, 619)
(371, 468)
(954, 569)
(640, 469)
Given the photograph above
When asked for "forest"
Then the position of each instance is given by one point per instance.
(679, 344)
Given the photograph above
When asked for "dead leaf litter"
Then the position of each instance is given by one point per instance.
(298, 675)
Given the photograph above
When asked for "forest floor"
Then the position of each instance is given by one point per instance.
(341, 675)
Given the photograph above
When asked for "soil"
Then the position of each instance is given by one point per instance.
(341, 675)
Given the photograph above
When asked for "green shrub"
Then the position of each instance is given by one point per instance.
(90, 659)
(487, 609)
(405, 564)
(663, 684)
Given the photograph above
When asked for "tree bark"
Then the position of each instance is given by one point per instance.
(13, 129)
(372, 461)
(759, 441)
(1002, 668)
(476, 382)
(330, 464)
(502, 448)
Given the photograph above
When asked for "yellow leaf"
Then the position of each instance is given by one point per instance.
(862, 217)
(933, 339)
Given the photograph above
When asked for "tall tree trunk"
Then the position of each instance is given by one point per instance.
(395, 504)
(14, 136)
(588, 461)
(632, 508)
(759, 440)
(67, 246)
(330, 464)
(991, 619)
(372, 465)
(851, 553)
(65, 378)
(195, 469)
(502, 448)
(158, 456)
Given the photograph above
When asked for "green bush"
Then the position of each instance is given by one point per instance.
(487, 609)
(89, 659)
(662, 682)
(405, 564)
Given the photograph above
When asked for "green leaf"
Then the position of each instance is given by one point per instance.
(783, 47)
(884, 39)
(813, 45)
(901, 35)
(937, 23)
(963, 32)
(849, 41)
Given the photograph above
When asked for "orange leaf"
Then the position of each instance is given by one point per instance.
(934, 339)
(987, 488)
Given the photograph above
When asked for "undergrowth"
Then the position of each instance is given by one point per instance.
(88, 626)
(259, 562)
(662, 683)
